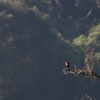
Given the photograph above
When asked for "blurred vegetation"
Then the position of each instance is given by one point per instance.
(93, 38)
(36, 37)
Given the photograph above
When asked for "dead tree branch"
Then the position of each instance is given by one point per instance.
(89, 65)
(88, 96)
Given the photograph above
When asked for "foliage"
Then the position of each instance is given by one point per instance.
(92, 38)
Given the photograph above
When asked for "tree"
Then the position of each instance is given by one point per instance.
(90, 61)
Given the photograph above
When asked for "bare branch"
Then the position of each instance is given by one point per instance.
(88, 96)
(89, 65)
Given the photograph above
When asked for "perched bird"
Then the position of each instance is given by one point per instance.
(68, 70)
(67, 65)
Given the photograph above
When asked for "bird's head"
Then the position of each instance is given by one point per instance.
(66, 63)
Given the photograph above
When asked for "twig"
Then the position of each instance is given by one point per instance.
(88, 96)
